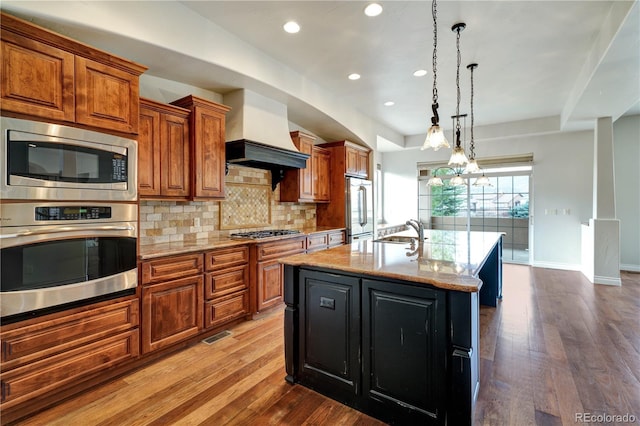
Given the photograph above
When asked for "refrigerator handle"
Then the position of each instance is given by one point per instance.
(362, 200)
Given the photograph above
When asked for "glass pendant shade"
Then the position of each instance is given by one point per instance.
(472, 166)
(482, 181)
(457, 180)
(458, 157)
(434, 181)
(435, 139)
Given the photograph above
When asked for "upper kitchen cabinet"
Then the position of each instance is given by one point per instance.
(163, 151)
(310, 184)
(54, 78)
(207, 139)
(349, 158)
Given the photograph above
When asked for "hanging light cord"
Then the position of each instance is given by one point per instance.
(458, 89)
(471, 144)
(434, 106)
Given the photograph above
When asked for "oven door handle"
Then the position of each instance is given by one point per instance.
(67, 229)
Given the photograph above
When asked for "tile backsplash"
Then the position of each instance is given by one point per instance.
(167, 221)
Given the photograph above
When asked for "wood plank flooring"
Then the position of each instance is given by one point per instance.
(554, 347)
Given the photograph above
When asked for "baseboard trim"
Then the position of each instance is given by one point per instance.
(630, 268)
(607, 281)
(554, 265)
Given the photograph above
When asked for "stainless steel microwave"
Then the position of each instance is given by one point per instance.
(42, 161)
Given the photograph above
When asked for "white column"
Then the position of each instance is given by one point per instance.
(601, 236)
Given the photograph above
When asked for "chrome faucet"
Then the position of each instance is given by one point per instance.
(417, 225)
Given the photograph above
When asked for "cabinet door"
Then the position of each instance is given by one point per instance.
(351, 160)
(174, 156)
(37, 79)
(306, 175)
(171, 312)
(209, 155)
(405, 350)
(269, 283)
(106, 97)
(330, 333)
(149, 153)
(321, 175)
(362, 168)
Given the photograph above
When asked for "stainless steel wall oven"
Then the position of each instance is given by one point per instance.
(56, 253)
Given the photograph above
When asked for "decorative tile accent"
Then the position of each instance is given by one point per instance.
(245, 206)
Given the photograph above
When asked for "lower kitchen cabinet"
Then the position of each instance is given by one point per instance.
(330, 334)
(269, 277)
(378, 346)
(172, 307)
(172, 311)
(227, 290)
(47, 355)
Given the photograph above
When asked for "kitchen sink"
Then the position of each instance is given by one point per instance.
(397, 239)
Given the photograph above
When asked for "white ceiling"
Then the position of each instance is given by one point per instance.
(576, 60)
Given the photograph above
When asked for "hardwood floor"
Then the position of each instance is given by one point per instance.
(554, 347)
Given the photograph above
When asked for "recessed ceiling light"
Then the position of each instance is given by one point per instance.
(420, 73)
(291, 27)
(389, 103)
(354, 76)
(374, 9)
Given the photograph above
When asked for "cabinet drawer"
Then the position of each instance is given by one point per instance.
(226, 309)
(337, 238)
(168, 268)
(225, 282)
(317, 242)
(68, 368)
(224, 258)
(48, 338)
(281, 248)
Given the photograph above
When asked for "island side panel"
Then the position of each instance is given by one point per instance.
(491, 275)
(291, 325)
(464, 361)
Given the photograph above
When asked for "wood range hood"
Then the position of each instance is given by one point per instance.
(257, 133)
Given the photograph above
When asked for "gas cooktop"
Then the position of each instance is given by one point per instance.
(264, 234)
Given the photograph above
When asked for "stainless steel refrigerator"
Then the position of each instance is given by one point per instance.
(359, 209)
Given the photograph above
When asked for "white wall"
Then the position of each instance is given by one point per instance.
(562, 179)
(626, 157)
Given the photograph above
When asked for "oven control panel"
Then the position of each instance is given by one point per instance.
(72, 212)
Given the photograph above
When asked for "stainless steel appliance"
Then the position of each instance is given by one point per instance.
(42, 161)
(55, 253)
(359, 209)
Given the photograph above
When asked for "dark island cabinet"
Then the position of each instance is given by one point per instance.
(404, 352)
(330, 334)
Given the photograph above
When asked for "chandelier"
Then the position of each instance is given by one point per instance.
(458, 158)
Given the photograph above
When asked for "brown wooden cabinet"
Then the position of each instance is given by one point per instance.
(207, 136)
(163, 151)
(44, 356)
(269, 279)
(310, 184)
(172, 300)
(52, 77)
(226, 289)
(347, 159)
(325, 239)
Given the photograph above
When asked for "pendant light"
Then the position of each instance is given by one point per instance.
(458, 158)
(472, 166)
(435, 136)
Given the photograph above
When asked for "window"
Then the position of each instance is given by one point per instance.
(502, 207)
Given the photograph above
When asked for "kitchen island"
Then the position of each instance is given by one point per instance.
(391, 328)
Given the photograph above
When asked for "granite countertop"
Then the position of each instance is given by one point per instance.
(152, 251)
(449, 260)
